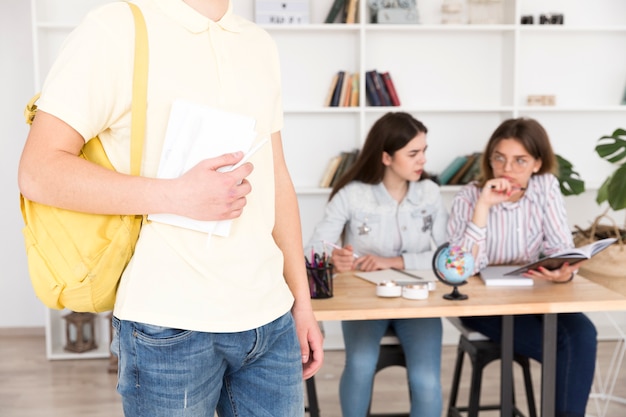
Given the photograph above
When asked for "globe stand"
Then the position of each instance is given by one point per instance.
(455, 294)
(463, 261)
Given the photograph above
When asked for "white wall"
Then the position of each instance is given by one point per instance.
(18, 306)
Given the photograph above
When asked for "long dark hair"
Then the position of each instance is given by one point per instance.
(388, 134)
(531, 135)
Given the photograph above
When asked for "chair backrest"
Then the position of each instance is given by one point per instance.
(470, 334)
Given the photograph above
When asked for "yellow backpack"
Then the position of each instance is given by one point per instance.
(75, 260)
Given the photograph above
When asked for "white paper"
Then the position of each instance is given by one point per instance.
(194, 133)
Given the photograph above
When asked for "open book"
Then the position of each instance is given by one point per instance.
(572, 256)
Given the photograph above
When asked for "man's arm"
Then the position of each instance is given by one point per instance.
(50, 172)
(288, 236)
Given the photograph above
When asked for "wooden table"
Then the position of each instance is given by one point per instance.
(355, 299)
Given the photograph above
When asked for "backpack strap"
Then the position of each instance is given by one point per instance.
(140, 91)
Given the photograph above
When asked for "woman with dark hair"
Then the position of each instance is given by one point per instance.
(515, 214)
(385, 214)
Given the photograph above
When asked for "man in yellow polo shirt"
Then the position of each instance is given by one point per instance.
(202, 322)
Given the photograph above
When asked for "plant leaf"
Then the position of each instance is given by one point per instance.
(617, 189)
(613, 147)
(569, 180)
(603, 191)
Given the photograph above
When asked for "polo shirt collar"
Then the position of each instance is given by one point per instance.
(194, 21)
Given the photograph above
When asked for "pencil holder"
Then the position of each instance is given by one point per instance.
(320, 281)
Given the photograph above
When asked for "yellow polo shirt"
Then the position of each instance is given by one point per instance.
(178, 277)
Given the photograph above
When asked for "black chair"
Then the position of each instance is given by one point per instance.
(482, 351)
(391, 354)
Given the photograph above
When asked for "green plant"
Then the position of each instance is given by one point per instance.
(569, 180)
(613, 149)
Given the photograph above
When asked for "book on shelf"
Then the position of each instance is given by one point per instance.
(473, 172)
(351, 10)
(346, 90)
(370, 90)
(337, 91)
(331, 168)
(391, 89)
(456, 178)
(572, 256)
(335, 10)
(452, 168)
(337, 166)
(347, 159)
(381, 91)
(354, 99)
(331, 90)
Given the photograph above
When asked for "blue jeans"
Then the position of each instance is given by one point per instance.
(575, 355)
(421, 342)
(165, 372)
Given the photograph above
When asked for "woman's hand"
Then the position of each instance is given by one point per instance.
(343, 259)
(564, 274)
(498, 190)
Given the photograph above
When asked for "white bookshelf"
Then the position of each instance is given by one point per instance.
(461, 80)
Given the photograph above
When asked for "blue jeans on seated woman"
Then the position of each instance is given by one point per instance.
(421, 342)
(165, 372)
(575, 355)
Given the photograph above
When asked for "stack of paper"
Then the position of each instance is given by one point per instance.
(194, 133)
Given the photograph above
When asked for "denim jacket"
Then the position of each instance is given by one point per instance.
(369, 215)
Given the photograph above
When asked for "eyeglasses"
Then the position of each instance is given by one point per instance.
(517, 164)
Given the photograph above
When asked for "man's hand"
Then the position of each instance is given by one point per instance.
(203, 193)
(311, 341)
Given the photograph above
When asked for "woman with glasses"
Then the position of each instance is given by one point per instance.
(515, 214)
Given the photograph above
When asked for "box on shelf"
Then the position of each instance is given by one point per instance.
(485, 12)
(285, 12)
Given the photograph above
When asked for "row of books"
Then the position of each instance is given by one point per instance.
(380, 89)
(343, 91)
(462, 170)
(343, 11)
(337, 166)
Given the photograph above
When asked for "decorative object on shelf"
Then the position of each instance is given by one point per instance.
(453, 265)
(551, 19)
(483, 12)
(283, 12)
(527, 19)
(452, 12)
(541, 100)
(394, 11)
(80, 332)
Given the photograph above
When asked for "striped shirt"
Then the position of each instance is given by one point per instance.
(516, 232)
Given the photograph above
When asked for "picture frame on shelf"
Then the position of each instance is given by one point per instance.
(284, 12)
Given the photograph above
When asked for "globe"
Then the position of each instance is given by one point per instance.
(453, 265)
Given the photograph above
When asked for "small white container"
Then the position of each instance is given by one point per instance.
(388, 289)
(415, 291)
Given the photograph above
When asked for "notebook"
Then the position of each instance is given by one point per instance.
(495, 276)
(401, 278)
